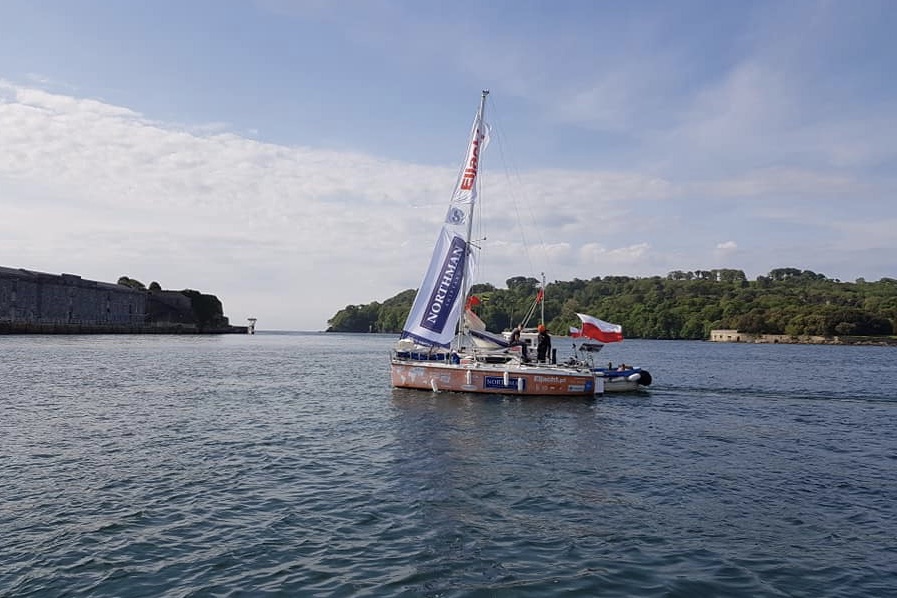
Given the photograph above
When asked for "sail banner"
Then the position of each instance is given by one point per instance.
(439, 302)
(599, 330)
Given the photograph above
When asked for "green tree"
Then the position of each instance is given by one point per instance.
(683, 305)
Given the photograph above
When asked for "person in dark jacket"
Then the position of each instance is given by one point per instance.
(516, 342)
(544, 346)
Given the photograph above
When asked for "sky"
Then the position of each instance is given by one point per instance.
(294, 157)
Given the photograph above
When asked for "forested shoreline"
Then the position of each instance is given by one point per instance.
(681, 305)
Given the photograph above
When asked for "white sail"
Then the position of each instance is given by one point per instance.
(439, 302)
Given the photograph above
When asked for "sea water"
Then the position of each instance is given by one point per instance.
(286, 465)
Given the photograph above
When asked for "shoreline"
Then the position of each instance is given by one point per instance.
(24, 328)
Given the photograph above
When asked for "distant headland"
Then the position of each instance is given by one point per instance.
(40, 303)
(788, 305)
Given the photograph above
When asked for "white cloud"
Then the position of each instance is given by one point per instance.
(288, 234)
(770, 125)
(292, 234)
(783, 181)
(594, 254)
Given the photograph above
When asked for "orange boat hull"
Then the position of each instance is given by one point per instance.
(523, 380)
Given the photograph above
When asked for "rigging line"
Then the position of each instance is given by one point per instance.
(498, 136)
(478, 235)
(514, 181)
(529, 314)
(480, 268)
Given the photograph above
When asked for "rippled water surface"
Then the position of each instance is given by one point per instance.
(284, 464)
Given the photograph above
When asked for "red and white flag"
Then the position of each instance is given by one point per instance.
(575, 332)
(599, 330)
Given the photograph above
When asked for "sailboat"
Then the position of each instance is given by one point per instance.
(443, 348)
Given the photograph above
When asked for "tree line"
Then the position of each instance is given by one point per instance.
(681, 305)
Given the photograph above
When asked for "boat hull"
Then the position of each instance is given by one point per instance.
(629, 380)
(620, 385)
(494, 379)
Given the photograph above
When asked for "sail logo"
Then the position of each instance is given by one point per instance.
(447, 289)
(499, 382)
(469, 177)
(455, 216)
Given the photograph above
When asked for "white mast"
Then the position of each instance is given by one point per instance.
(481, 111)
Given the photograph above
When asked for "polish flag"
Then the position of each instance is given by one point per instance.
(599, 330)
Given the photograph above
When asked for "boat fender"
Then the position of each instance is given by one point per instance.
(433, 385)
(468, 378)
(520, 384)
(634, 377)
(506, 379)
(645, 380)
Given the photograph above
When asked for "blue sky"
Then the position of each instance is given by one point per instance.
(294, 157)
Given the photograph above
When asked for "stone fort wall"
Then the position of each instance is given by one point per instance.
(29, 297)
(40, 303)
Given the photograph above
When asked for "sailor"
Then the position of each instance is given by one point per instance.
(544, 345)
(516, 342)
